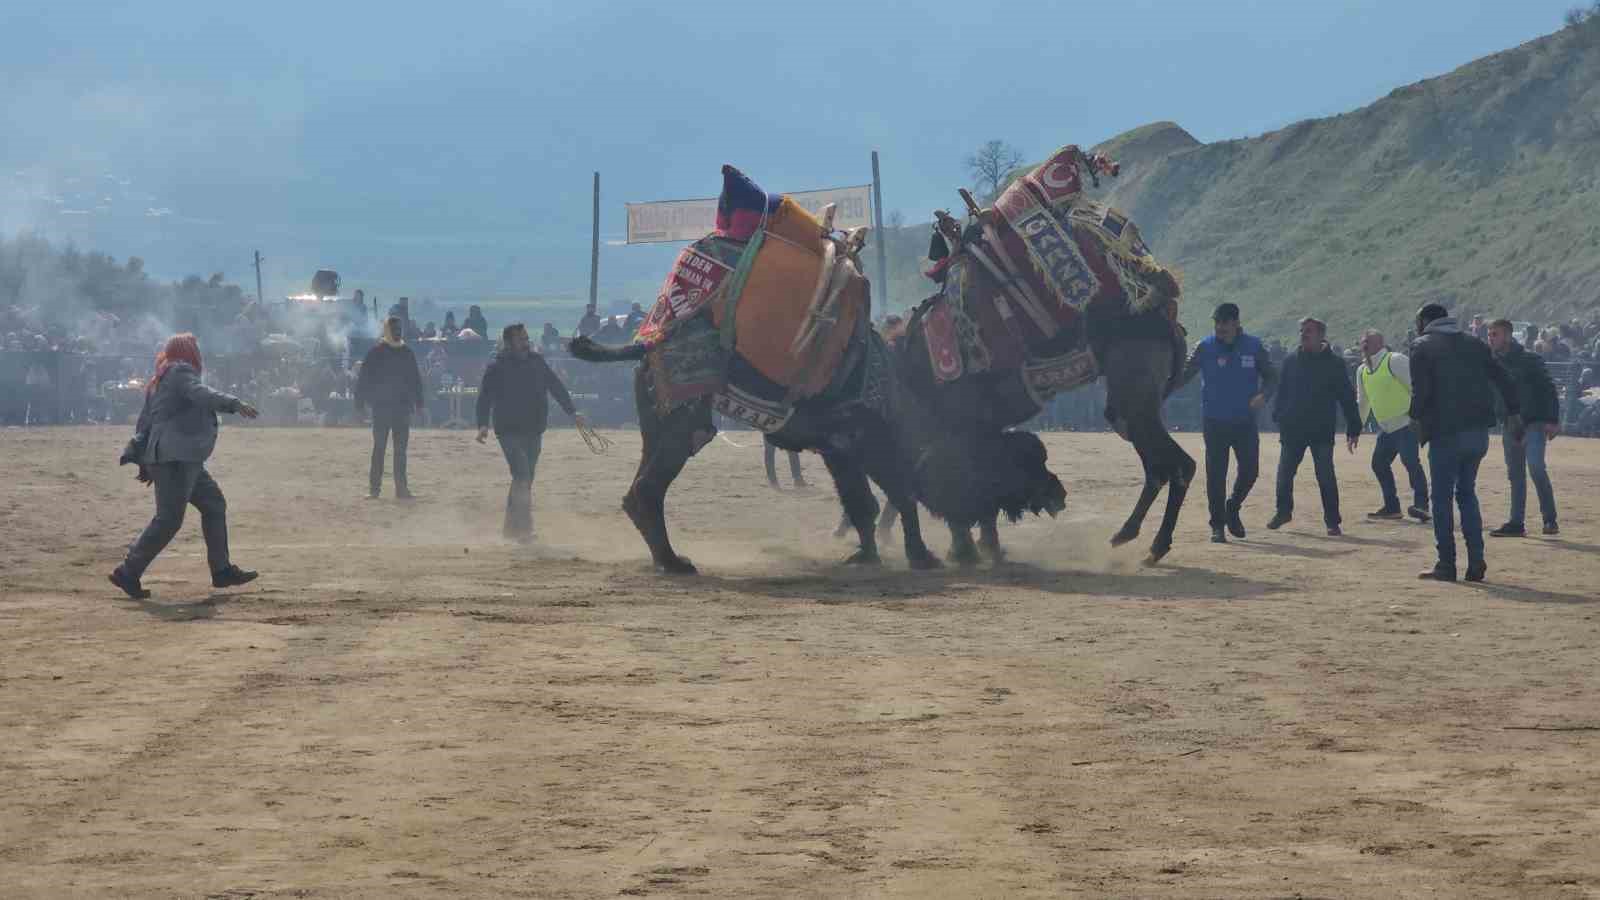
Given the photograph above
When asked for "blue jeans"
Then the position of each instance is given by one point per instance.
(522, 455)
(1453, 461)
(1527, 458)
(1402, 443)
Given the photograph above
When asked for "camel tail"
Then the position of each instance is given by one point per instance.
(589, 351)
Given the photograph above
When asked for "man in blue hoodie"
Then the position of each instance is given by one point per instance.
(1236, 375)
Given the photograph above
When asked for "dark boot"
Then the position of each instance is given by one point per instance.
(1477, 570)
(232, 576)
(129, 584)
(1439, 572)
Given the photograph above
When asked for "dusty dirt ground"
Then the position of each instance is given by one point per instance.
(405, 706)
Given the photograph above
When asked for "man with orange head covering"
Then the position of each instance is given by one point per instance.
(176, 434)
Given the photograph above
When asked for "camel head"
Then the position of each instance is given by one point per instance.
(1025, 483)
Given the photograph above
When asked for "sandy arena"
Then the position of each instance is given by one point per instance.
(403, 706)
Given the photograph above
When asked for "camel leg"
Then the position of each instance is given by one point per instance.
(883, 464)
(850, 480)
(1137, 376)
(669, 442)
(989, 539)
(1177, 488)
(1141, 507)
(963, 552)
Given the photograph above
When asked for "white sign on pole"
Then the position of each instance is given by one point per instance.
(691, 220)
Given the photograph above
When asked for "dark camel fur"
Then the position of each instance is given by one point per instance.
(1140, 356)
(856, 444)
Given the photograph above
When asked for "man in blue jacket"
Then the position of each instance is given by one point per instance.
(1236, 374)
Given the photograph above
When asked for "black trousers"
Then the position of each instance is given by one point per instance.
(1242, 440)
(178, 484)
(1293, 450)
(385, 423)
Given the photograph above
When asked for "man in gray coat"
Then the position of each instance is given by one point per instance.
(176, 434)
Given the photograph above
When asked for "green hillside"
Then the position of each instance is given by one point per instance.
(1479, 189)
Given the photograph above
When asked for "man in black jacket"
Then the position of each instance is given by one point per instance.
(1541, 410)
(1313, 387)
(391, 384)
(1452, 409)
(513, 394)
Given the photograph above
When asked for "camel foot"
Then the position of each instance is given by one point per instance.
(925, 562)
(863, 557)
(1124, 536)
(676, 565)
(966, 557)
(1157, 551)
(997, 555)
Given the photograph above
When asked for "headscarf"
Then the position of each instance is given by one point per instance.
(180, 348)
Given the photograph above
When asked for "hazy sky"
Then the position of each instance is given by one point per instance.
(447, 148)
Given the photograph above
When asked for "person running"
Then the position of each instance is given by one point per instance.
(1312, 387)
(513, 396)
(770, 458)
(1452, 410)
(1383, 390)
(1236, 375)
(391, 384)
(1541, 410)
(176, 434)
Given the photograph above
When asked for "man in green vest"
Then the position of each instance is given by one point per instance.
(1383, 389)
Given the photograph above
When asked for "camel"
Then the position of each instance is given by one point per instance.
(1140, 352)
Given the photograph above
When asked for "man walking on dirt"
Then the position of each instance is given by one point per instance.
(513, 395)
(391, 384)
(1236, 374)
(1383, 389)
(1312, 388)
(1541, 410)
(1452, 409)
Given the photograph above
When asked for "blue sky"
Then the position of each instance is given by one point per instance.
(447, 149)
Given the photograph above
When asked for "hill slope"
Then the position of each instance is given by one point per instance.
(1479, 189)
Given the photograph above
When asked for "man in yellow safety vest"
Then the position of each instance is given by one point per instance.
(1383, 389)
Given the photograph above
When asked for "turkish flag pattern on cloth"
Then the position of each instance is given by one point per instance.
(939, 328)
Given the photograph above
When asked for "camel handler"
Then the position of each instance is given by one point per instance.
(1383, 390)
(513, 395)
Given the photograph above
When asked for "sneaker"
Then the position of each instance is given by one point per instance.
(1335, 531)
(1420, 514)
(1235, 524)
(403, 494)
(129, 584)
(1552, 529)
(1217, 537)
(232, 576)
(372, 495)
(1388, 512)
(1278, 521)
(1476, 571)
(1509, 530)
(1440, 572)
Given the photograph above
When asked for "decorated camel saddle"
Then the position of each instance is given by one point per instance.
(1021, 279)
(768, 311)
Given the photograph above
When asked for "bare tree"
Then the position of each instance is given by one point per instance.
(896, 219)
(990, 166)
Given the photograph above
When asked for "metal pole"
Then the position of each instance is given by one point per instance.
(260, 297)
(877, 204)
(594, 251)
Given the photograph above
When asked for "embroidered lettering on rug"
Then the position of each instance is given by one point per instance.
(1045, 378)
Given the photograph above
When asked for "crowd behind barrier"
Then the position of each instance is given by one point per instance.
(309, 380)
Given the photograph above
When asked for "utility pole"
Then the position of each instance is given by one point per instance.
(260, 297)
(594, 251)
(883, 258)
